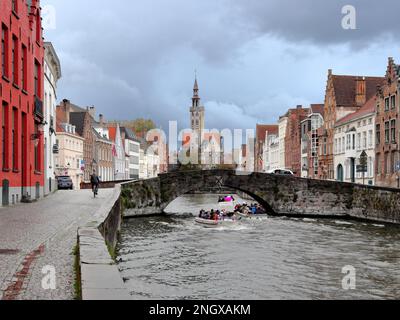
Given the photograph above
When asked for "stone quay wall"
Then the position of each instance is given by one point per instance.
(99, 274)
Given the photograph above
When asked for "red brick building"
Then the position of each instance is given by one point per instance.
(388, 129)
(344, 95)
(293, 139)
(21, 94)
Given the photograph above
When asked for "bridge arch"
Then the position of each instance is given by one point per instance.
(280, 195)
(207, 186)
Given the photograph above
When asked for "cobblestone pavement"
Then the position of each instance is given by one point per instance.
(34, 236)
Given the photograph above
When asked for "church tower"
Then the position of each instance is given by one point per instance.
(197, 111)
(197, 120)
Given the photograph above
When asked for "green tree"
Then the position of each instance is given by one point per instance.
(142, 126)
(139, 126)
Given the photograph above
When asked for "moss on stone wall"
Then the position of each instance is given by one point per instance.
(77, 274)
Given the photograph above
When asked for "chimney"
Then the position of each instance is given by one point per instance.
(361, 92)
(101, 119)
(299, 106)
(329, 72)
(66, 110)
(92, 111)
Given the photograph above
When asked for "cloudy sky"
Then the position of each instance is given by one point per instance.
(254, 58)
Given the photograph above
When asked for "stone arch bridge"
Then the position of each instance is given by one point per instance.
(280, 195)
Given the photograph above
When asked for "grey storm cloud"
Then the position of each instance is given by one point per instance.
(137, 58)
(320, 21)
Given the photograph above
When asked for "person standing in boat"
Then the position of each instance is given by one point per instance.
(202, 214)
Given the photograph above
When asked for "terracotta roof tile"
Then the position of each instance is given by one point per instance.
(367, 108)
(318, 108)
(345, 88)
(263, 129)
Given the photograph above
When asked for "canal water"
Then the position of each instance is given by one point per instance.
(269, 258)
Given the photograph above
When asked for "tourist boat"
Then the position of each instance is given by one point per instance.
(250, 216)
(213, 223)
(243, 215)
(207, 223)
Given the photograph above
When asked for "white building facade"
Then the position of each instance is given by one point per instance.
(283, 122)
(132, 149)
(52, 73)
(69, 159)
(119, 161)
(271, 153)
(354, 135)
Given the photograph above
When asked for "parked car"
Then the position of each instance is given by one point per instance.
(281, 172)
(65, 182)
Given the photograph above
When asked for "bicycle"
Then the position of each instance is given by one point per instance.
(95, 190)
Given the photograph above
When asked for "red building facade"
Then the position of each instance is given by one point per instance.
(293, 139)
(21, 95)
(387, 129)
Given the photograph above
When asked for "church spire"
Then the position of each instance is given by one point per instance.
(196, 97)
(196, 86)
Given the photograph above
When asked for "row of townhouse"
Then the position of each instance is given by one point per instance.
(114, 152)
(353, 137)
(279, 146)
(144, 158)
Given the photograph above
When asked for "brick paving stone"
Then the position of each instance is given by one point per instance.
(51, 223)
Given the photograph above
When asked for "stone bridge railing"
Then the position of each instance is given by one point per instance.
(280, 195)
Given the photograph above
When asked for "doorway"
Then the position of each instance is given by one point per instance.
(340, 176)
(353, 170)
(6, 193)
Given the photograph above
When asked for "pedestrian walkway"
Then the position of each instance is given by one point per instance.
(39, 235)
